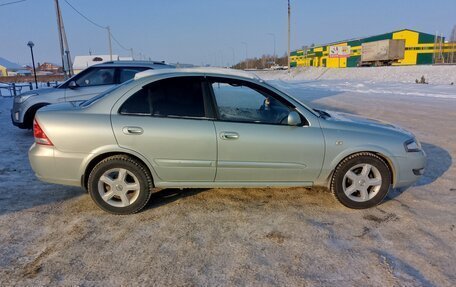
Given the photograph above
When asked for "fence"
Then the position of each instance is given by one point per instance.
(14, 89)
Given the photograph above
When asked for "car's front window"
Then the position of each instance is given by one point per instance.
(102, 95)
(241, 103)
(126, 74)
(97, 77)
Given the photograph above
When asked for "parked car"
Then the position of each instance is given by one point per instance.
(204, 128)
(80, 87)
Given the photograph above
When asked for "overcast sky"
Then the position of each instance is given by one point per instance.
(207, 31)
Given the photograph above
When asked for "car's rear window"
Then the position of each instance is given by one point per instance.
(174, 97)
(103, 94)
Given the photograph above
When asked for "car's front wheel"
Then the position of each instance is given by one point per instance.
(120, 185)
(361, 180)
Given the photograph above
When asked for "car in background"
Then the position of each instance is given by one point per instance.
(81, 87)
(205, 128)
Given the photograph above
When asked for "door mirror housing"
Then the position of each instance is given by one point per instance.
(72, 85)
(294, 119)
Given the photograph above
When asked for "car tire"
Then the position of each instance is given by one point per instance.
(361, 180)
(120, 185)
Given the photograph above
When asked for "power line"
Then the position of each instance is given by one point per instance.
(96, 24)
(118, 43)
(85, 17)
(13, 2)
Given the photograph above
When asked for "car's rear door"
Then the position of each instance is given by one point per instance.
(254, 142)
(166, 121)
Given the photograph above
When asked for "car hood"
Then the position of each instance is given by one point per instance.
(41, 91)
(370, 124)
(67, 106)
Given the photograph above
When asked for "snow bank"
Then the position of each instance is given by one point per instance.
(368, 87)
(408, 74)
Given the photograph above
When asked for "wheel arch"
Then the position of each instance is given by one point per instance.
(95, 160)
(28, 119)
(385, 156)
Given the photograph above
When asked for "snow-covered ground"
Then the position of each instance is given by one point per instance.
(55, 235)
(443, 75)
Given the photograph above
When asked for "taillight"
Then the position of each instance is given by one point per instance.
(40, 136)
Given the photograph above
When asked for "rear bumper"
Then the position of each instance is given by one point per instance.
(54, 166)
(409, 168)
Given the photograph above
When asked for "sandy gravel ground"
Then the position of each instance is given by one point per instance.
(55, 235)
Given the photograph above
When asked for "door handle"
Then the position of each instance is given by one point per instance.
(229, 135)
(132, 130)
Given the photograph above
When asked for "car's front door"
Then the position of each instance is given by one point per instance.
(166, 122)
(90, 83)
(254, 141)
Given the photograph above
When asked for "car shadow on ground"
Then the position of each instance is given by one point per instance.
(23, 197)
(438, 162)
(169, 195)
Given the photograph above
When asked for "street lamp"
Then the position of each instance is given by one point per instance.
(67, 53)
(30, 44)
(274, 55)
(246, 59)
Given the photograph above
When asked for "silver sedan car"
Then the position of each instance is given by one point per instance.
(204, 128)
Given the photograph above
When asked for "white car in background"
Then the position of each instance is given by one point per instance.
(81, 87)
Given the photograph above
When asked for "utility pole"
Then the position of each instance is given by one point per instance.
(246, 55)
(109, 42)
(221, 59)
(66, 58)
(132, 54)
(289, 36)
(274, 38)
(234, 56)
(453, 45)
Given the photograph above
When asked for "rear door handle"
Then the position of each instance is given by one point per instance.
(132, 130)
(229, 135)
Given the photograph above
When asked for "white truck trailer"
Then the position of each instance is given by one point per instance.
(382, 53)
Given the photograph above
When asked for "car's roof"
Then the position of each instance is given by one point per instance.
(152, 64)
(198, 71)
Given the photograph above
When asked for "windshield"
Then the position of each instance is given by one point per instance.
(103, 94)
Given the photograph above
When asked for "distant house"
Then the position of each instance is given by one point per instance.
(23, 72)
(50, 68)
(82, 62)
(7, 67)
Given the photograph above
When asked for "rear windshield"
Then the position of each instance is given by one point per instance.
(103, 94)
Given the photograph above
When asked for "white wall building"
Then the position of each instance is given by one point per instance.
(82, 62)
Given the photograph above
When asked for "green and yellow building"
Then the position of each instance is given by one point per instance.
(420, 49)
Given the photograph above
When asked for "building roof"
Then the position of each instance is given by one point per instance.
(9, 65)
(23, 71)
(371, 38)
(82, 62)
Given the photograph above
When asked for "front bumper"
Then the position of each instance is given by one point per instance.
(15, 120)
(409, 168)
(18, 115)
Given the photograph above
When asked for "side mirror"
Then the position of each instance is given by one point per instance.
(294, 119)
(72, 85)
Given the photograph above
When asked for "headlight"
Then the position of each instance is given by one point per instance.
(22, 98)
(412, 145)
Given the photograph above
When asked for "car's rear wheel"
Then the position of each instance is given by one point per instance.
(120, 185)
(361, 180)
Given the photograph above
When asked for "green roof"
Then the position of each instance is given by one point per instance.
(423, 38)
